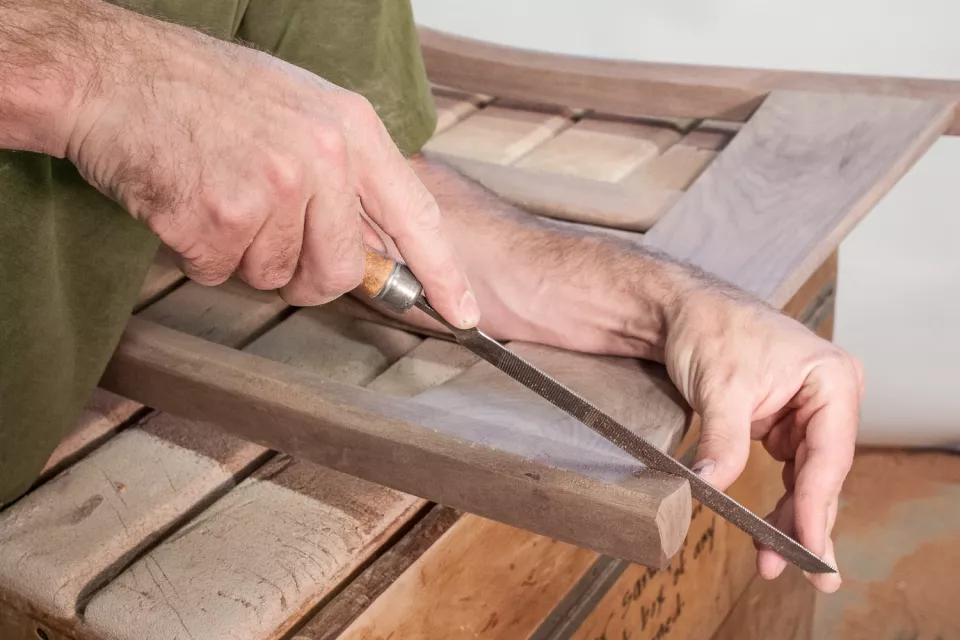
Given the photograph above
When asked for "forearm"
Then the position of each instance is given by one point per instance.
(47, 64)
(556, 285)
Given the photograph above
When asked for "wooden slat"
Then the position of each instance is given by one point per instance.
(429, 599)
(286, 537)
(536, 483)
(605, 150)
(452, 107)
(792, 183)
(162, 275)
(568, 197)
(679, 165)
(74, 531)
(630, 88)
(498, 134)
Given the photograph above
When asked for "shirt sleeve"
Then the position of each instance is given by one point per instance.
(367, 46)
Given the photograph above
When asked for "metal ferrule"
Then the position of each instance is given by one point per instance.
(401, 290)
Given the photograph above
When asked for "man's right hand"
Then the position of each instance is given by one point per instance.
(242, 162)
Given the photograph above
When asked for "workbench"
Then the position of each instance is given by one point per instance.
(148, 525)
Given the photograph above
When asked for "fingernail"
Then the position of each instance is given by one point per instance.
(704, 468)
(469, 310)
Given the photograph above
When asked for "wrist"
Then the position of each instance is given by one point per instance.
(48, 65)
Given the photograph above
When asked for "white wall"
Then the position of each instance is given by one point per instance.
(899, 301)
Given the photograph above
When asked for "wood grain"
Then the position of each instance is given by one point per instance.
(452, 107)
(793, 183)
(162, 276)
(680, 165)
(517, 583)
(648, 89)
(602, 502)
(498, 135)
(569, 197)
(596, 149)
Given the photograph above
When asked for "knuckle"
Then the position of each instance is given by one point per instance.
(330, 142)
(286, 174)
(359, 110)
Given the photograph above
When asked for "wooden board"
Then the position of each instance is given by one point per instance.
(570, 197)
(485, 468)
(612, 149)
(511, 607)
(679, 165)
(452, 107)
(792, 183)
(499, 135)
(77, 529)
(781, 609)
(630, 88)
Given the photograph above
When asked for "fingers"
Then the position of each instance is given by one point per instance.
(332, 259)
(724, 440)
(394, 198)
(825, 456)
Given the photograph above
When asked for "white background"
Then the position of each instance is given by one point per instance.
(899, 300)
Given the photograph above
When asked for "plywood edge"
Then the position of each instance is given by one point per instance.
(633, 88)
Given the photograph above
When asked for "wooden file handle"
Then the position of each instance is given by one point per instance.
(389, 282)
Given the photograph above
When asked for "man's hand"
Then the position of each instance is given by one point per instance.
(747, 369)
(237, 160)
(752, 372)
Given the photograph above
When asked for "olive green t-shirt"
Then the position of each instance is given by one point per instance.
(72, 261)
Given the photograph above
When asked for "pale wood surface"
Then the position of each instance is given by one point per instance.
(679, 165)
(614, 149)
(781, 609)
(513, 581)
(283, 539)
(452, 107)
(498, 135)
(647, 89)
(569, 197)
(409, 446)
(792, 183)
(69, 534)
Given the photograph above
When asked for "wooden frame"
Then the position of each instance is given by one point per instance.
(763, 225)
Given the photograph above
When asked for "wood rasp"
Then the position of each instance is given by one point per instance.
(391, 284)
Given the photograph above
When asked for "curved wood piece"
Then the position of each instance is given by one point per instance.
(644, 88)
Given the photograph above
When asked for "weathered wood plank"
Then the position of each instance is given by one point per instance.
(497, 134)
(484, 600)
(485, 468)
(248, 567)
(605, 150)
(76, 530)
(283, 539)
(568, 197)
(161, 277)
(781, 609)
(792, 183)
(640, 89)
(679, 165)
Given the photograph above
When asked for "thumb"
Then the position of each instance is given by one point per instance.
(724, 442)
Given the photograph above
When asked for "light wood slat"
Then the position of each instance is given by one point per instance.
(69, 534)
(102, 416)
(356, 596)
(248, 567)
(227, 314)
(451, 108)
(497, 134)
(569, 197)
(679, 165)
(792, 183)
(486, 603)
(520, 478)
(629, 88)
(162, 275)
(605, 150)
(284, 538)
